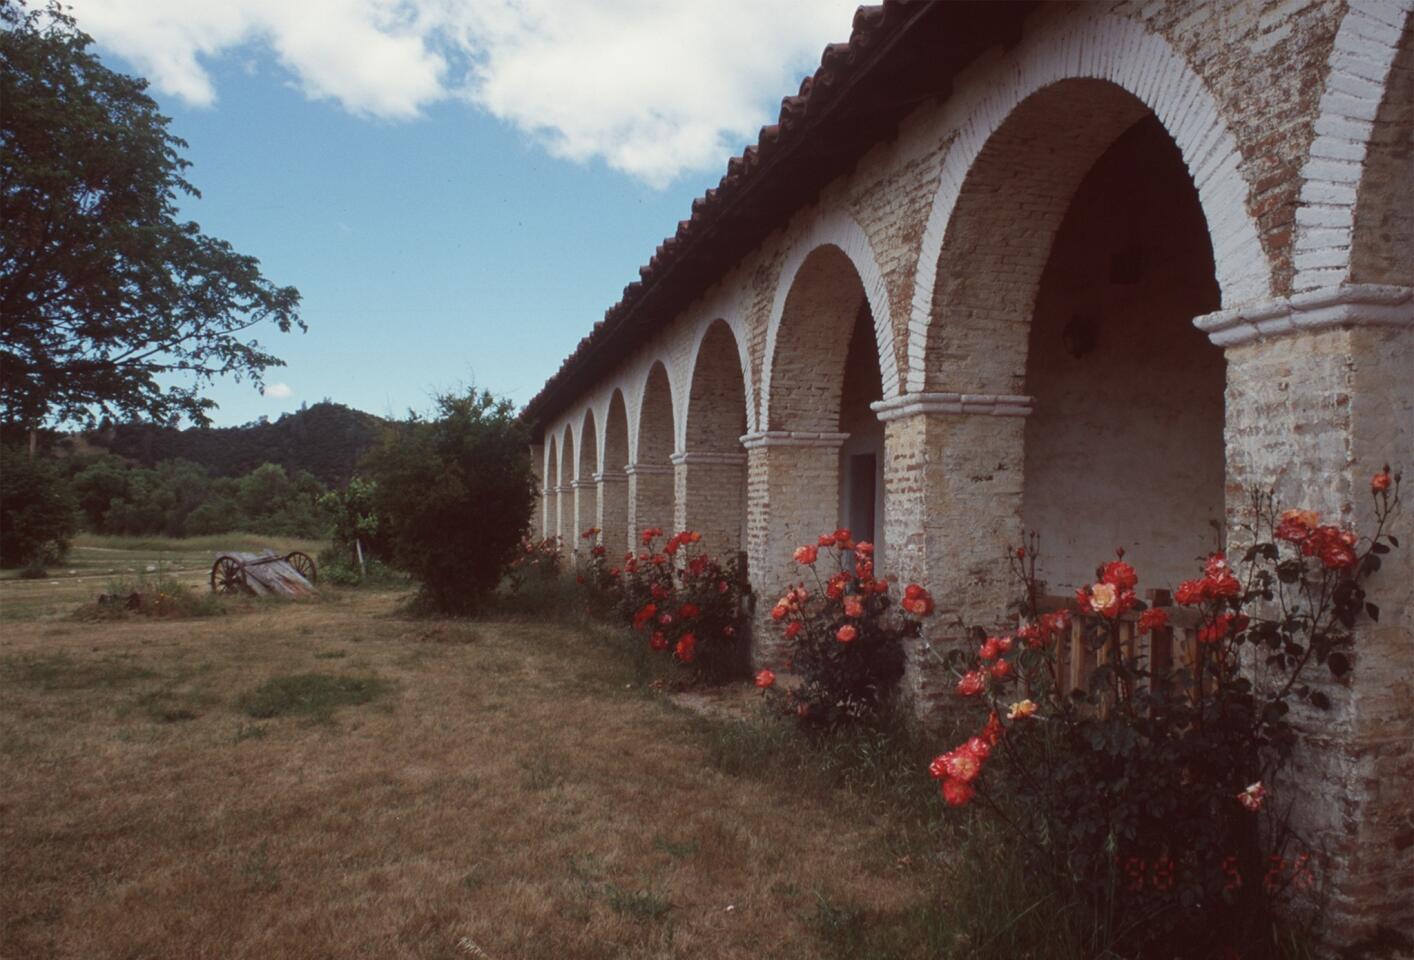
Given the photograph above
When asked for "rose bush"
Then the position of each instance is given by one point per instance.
(1154, 797)
(687, 602)
(844, 637)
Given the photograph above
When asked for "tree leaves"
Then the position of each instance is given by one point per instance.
(105, 297)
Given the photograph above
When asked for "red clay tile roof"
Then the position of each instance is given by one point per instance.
(899, 54)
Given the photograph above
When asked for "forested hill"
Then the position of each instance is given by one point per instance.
(327, 439)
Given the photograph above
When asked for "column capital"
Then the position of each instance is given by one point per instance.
(1348, 305)
(647, 469)
(983, 404)
(713, 457)
(564, 488)
(581, 484)
(611, 476)
(792, 438)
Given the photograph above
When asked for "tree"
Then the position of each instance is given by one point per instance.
(38, 514)
(108, 304)
(456, 494)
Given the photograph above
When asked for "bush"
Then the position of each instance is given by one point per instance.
(456, 493)
(156, 594)
(845, 642)
(1153, 797)
(688, 603)
(38, 514)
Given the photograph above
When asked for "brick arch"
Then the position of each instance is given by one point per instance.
(550, 501)
(588, 447)
(811, 329)
(655, 426)
(615, 424)
(1381, 248)
(1055, 80)
(841, 233)
(567, 458)
(716, 410)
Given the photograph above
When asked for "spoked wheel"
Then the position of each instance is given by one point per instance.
(303, 564)
(228, 576)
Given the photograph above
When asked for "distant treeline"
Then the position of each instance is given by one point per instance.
(178, 498)
(325, 440)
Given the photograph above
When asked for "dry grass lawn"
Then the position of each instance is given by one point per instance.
(508, 790)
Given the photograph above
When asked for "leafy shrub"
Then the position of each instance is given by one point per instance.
(1154, 795)
(38, 515)
(845, 642)
(456, 493)
(156, 594)
(688, 603)
(540, 559)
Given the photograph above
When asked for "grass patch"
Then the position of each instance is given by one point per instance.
(315, 695)
(60, 673)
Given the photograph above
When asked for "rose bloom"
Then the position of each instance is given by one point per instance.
(852, 607)
(990, 649)
(938, 768)
(806, 555)
(846, 633)
(1155, 618)
(659, 641)
(843, 538)
(1104, 597)
(1380, 482)
(1001, 669)
(864, 547)
(962, 764)
(1296, 525)
(688, 610)
(1119, 574)
(1021, 709)
(992, 732)
(957, 793)
(826, 540)
(765, 679)
(1253, 797)
(793, 630)
(686, 649)
(979, 748)
(722, 586)
(779, 611)
(971, 684)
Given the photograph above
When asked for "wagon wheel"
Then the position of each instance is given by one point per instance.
(303, 565)
(228, 576)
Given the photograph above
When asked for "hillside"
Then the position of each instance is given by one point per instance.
(326, 439)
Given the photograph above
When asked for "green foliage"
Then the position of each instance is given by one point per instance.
(178, 498)
(456, 493)
(38, 515)
(157, 594)
(325, 439)
(107, 297)
(356, 529)
(309, 694)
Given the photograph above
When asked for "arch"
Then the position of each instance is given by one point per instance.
(565, 493)
(586, 491)
(1355, 131)
(840, 232)
(1103, 51)
(615, 433)
(550, 501)
(655, 442)
(651, 487)
(807, 364)
(1382, 236)
(710, 472)
(613, 480)
(715, 414)
(738, 336)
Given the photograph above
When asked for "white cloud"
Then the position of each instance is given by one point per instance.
(280, 391)
(651, 88)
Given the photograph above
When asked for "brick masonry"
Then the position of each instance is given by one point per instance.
(1292, 120)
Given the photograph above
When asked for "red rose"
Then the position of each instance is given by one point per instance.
(957, 793)
(686, 650)
(1120, 574)
(1001, 669)
(1155, 618)
(658, 641)
(806, 555)
(765, 679)
(846, 633)
(1381, 481)
(971, 684)
(793, 630)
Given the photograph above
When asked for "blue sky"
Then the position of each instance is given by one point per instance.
(473, 223)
